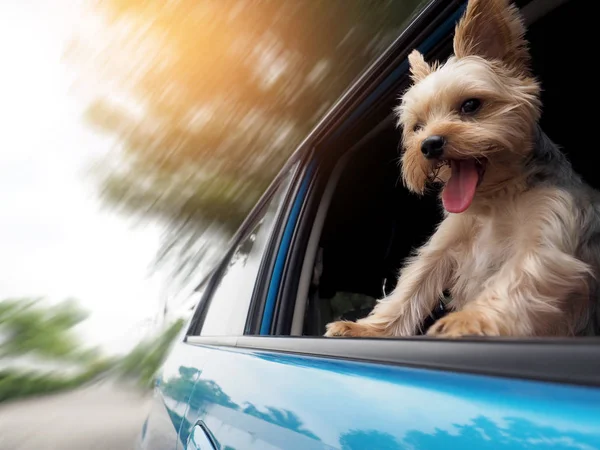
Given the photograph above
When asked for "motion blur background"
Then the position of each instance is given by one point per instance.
(135, 137)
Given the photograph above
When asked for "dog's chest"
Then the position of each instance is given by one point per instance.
(491, 245)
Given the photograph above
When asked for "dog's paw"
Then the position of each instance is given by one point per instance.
(463, 323)
(347, 328)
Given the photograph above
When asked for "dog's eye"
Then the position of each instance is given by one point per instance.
(470, 106)
(418, 127)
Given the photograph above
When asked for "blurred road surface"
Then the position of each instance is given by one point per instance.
(101, 417)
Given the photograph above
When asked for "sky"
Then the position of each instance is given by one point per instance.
(56, 240)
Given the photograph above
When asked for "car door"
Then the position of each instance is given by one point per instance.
(223, 310)
(294, 393)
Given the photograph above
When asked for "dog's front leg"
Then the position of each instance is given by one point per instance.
(419, 287)
(540, 291)
(527, 298)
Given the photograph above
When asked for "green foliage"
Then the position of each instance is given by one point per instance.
(215, 95)
(45, 332)
(29, 326)
(17, 384)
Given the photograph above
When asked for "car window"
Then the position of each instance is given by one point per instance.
(230, 298)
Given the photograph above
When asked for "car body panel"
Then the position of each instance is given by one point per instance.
(174, 386)
(253, 399)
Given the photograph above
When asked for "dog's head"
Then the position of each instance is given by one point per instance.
(469, 122)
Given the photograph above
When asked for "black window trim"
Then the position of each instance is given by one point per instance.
(573, 361)
(261, 287)
(284, 305)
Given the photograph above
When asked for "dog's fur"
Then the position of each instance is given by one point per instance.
(523, 259)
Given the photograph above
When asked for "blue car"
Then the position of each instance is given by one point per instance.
(252, 369)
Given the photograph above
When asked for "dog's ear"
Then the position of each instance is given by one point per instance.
(419, 68)
(492, 29)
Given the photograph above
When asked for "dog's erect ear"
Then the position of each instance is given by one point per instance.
(419, 68)
(492, 29)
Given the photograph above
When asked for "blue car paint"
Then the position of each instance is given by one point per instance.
(267, 400)
(170, 403)
(267, 318)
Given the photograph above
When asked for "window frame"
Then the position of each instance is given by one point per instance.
(295, 169)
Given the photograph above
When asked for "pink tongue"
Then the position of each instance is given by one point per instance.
(460, 188)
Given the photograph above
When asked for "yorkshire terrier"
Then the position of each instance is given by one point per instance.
(519, 245)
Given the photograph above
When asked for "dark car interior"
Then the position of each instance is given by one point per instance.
(373, 222)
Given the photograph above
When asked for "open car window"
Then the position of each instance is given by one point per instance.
(366, 223)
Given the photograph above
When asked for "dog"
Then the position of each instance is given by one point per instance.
(519, 245)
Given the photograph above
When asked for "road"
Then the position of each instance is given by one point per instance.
(101, 417)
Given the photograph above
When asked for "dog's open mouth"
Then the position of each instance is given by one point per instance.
(459, 191)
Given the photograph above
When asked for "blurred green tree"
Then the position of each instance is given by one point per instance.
(30, 326)
(207, 99)
(45, 332)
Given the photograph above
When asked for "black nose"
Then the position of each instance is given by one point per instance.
(433, 146)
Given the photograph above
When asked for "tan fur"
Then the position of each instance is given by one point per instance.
(494, 30)
(419, 69)
(502, 133)
(508, 260)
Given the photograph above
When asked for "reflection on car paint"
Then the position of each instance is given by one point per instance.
(265, 400)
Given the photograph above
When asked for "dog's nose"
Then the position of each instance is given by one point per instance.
(433, 146)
